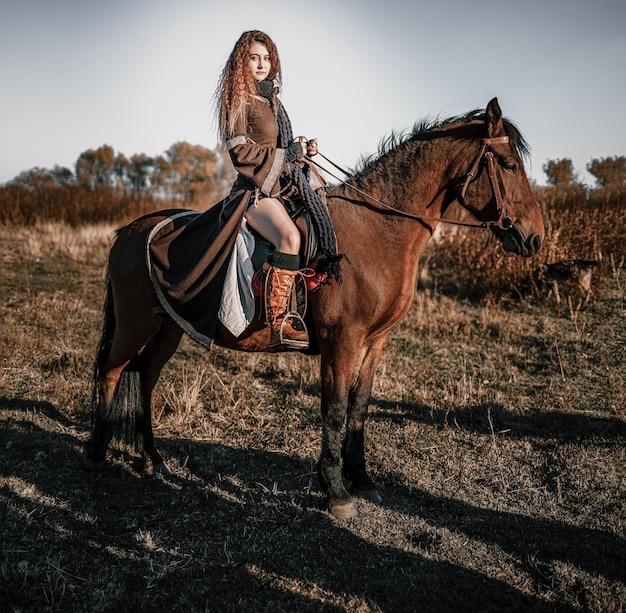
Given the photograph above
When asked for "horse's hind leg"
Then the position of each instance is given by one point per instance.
(160, 349)
(120, 361)
(95, 449)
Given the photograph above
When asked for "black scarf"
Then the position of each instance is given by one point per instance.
(322, 224)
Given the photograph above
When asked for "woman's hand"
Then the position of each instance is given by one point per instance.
(311, 147)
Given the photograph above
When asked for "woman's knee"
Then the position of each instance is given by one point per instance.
(290, 240)
(272, 221)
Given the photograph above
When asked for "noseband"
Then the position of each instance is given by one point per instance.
(504, 222)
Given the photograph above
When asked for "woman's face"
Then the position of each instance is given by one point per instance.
(259, 61)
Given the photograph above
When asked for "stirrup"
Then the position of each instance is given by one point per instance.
(290, 342)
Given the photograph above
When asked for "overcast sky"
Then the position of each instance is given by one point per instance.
(139, 75)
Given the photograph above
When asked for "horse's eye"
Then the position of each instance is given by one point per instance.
(509, 165)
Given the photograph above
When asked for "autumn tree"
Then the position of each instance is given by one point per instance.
(39, 178)
(62, 176)
(560, 172)
(608, 172)
(141, 171)
(121, 167)
(96, 167)
(187, 170)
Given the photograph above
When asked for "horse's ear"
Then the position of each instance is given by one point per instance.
(493, 119)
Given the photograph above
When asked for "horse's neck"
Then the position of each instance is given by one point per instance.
(412, 179)
(383, 240)
(395, 187)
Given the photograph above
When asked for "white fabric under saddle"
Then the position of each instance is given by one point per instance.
(237, 308)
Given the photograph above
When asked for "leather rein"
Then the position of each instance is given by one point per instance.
(504, 222)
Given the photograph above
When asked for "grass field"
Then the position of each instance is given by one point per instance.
(497, 434)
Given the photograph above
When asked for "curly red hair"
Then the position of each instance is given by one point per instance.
(236, 83)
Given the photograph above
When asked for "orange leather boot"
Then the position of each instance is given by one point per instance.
(278, 294)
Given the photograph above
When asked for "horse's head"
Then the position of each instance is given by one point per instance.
(496, 189)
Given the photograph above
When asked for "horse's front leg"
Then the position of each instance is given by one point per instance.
(354, 465)
(335, 376)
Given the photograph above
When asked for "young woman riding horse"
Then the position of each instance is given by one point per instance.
(257, 133)
(383, 217)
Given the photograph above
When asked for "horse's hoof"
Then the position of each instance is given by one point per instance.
(368, 494)
(152, 466)
(88, 463)
(161, 469)
(343, 511)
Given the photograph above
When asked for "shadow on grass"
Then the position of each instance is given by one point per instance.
(533, 541)
(23, 405)
(231, 530)
(490, 417)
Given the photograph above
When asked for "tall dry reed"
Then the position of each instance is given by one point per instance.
(580, 225)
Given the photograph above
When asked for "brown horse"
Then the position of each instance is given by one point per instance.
(383, 217)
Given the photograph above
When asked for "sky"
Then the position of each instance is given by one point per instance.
(139, 75)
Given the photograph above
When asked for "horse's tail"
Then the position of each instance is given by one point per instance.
(126, 407)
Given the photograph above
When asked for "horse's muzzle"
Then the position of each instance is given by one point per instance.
(515, 241)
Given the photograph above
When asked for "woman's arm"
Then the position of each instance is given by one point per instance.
(259, 165)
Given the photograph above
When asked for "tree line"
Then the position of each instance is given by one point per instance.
(105, 185)
(608, 172)
(184, 172)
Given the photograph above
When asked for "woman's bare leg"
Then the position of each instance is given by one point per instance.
(270, 219)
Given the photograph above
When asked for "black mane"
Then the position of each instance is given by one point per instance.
(430, 129)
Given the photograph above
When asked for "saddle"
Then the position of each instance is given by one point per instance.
(245, 295)
(209, 290)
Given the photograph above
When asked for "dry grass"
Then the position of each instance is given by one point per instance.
(496, 432)
(74, 205)
(579, 226)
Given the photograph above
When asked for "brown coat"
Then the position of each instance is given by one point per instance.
(189, 255)
(254, 150)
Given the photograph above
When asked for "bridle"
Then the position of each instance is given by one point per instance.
(503, 222)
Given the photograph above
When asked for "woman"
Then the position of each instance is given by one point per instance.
(256, 131)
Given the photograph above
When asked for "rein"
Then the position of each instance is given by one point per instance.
(504, 222)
